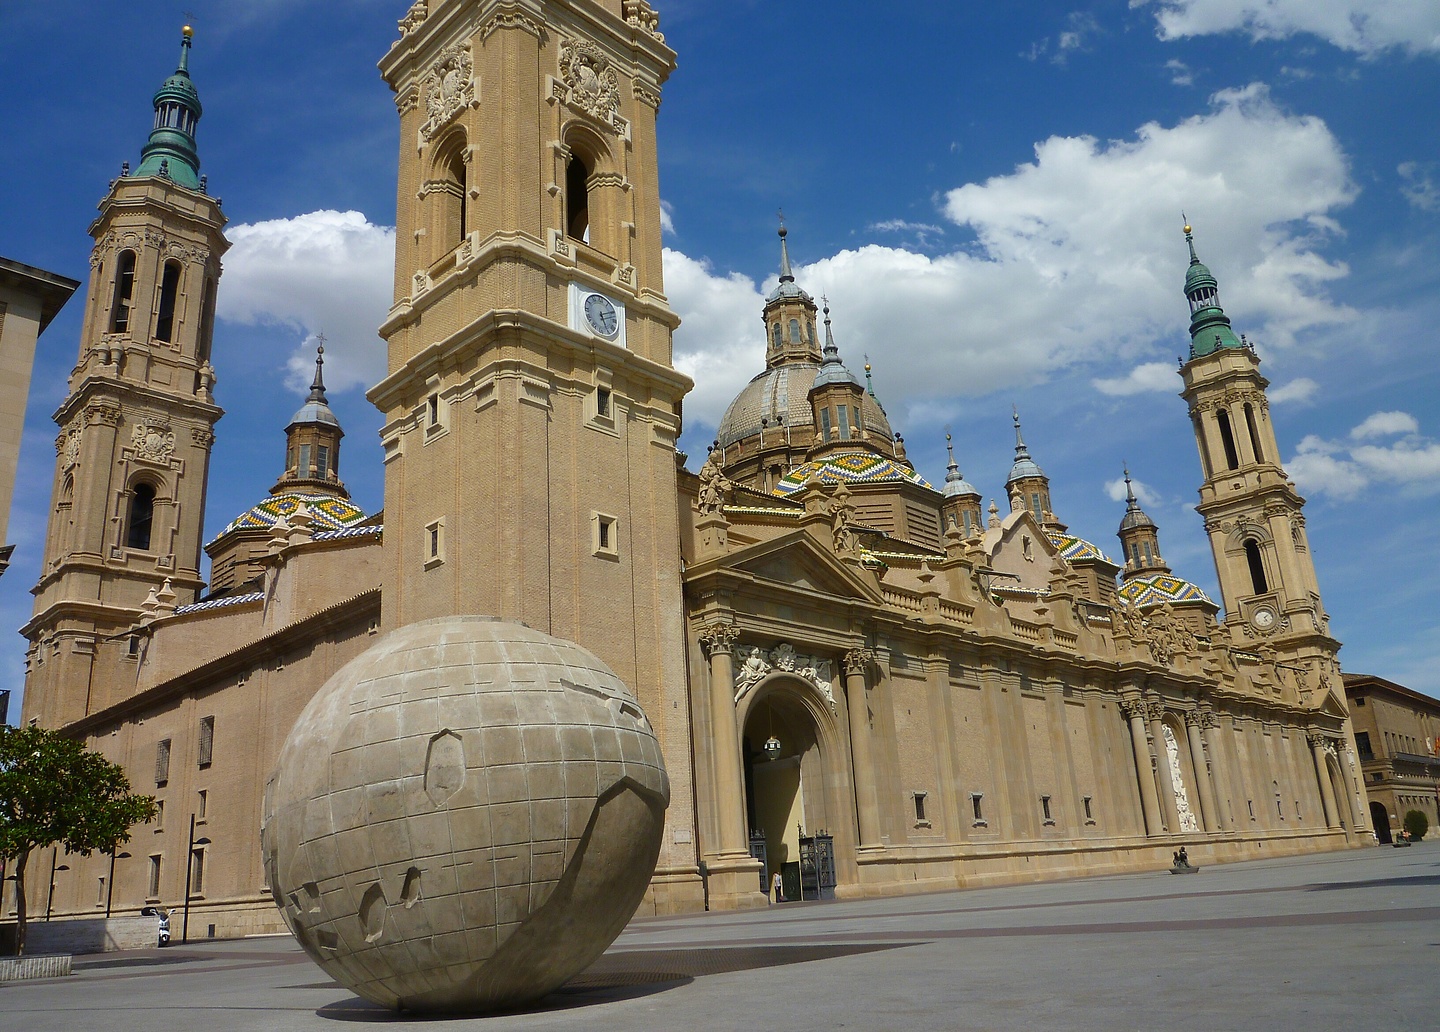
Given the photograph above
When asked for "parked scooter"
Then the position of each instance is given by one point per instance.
(163, 930)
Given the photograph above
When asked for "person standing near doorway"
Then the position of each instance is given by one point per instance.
(777, 889)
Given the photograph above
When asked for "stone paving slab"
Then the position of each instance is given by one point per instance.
(1334, 941)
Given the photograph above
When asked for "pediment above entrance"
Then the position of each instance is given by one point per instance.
(796, 560)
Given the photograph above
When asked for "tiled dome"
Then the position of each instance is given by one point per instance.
(849, 468)
(1157, 589)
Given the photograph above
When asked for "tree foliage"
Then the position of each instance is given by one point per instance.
(55, 792)
(1416, 823)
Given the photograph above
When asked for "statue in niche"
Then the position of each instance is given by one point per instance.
(715, 487)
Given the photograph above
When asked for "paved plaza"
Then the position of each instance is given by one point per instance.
(1335, 941)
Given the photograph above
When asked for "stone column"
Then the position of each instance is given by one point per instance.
(1155, 711)
(1327, 790)
(858, 663)
(718, 640)
(1134, 711)
(1211, 725)
(1209, 816)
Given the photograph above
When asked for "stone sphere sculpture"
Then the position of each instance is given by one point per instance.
(464, 817)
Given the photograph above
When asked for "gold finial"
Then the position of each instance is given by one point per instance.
(187, 32)
(1187, 227)
(867, 367)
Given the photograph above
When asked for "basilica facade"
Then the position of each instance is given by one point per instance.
(859, 680)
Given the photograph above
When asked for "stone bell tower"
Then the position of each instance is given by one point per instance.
(133, 453)
(531, 406)
(1253, 514)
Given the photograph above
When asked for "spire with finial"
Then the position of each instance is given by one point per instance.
(171, 151)
(956, 486)
(1139, 537)
(1024, 465)
(832, 369)
(317, 386)
(786, 274)
(1209, 325)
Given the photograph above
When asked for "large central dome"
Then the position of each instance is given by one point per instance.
(781, 397)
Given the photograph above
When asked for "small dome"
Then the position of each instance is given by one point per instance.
(1134, 519)
(788, 290)
(858, 467)
(313, 412)
(1157, 589)
(961, 488)
(329, 512)
(781, 396)
(1023, 468)
(1077, 549)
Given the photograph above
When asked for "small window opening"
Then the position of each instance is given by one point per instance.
(777, 334)
(304, 467)
(920, 808)
(433, 409)
(1035, 505)
(1147, 553)
(604, 533)
(1088, 803)
(1045, 808)
(1257, 566)
(825, 430)
(134, 645)
(435, 541)
(169, 290)
(207, 741)
(207, 320)
(602, 402)
(201, 801)
(1227, 438)
(1209, 467)
(1250, 806)
(142, 515)
(966, 517)
(100, 894)
(976, 807)
(322, 459)
(844, 411)
(162, 762)
(197, 872)
(577, 198)
(795, 331)
(124, 290)
(154, 877)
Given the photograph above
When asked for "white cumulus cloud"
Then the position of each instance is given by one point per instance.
(1143, 379)
(1363, 26)
(1076, 261)
(1299, 391)
(1343, 470)
(1147, 496)
(1386, 424)
(325, 271)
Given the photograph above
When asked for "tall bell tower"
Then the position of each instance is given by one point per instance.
(136, 428)
(531, 406)
(1253, 514)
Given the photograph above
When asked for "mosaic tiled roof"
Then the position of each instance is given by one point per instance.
(329, 512)
(1074, 549)
(1160, 588)
(349, 532)
(222, 603)
(849, 468)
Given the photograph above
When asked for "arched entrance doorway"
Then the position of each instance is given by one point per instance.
(794, 785)
(1380, 820)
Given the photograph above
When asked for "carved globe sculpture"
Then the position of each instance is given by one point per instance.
(464, 817)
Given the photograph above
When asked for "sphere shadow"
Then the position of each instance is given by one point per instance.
(576, 994)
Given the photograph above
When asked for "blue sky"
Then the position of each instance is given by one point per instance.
(990, 195)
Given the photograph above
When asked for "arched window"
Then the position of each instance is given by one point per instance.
(207, 320)
(446, 196)
(1227, 438)
(1257, 566)
(1204, 450)
(778, 334)
(577, 199)
(142, 515)
(1254, 434)
(169, 290)
(124, 290)
(794, 331)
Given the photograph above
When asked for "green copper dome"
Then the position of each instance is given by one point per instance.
(1209, 325)
(171, 150)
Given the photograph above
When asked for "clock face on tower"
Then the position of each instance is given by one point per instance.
(601, 316)
(1263, 618)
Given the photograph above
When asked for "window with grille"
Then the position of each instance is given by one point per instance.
(207, 741)
(162, 762)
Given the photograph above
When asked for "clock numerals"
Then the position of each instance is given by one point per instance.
(601, 315)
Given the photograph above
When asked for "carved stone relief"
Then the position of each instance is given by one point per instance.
(449, 87)
(1177, 782)
(760, 663)
(592, 85)
(153, 443)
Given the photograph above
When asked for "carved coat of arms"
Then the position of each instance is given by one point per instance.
(153, 443)
(449, 87)
(593, 85)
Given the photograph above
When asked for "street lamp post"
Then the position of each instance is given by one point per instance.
(110, 885)
(50, 903)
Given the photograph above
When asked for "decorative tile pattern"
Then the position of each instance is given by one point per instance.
(222, 603)
(1077, 549)
(330, 513)
(849, 468)
(1157, 589)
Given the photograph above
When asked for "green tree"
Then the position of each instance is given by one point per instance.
(1416, 823)
(54, 791)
